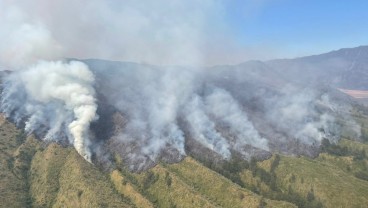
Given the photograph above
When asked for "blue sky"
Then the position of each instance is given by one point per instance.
(299, 27)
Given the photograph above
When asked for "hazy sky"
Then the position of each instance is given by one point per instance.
(178, 31)
(299, 27)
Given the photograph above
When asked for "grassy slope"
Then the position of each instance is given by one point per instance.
(83, 185)
(126, 188)
(333, 186)
(218, 189)
(13, 187)
(190, 184)
(354, 145)
(155, 186)
(348, 164)
(54, 177)
(59, 177)
(45, 172)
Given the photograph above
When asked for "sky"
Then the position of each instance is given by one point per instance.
(293, 28)
(177, 32)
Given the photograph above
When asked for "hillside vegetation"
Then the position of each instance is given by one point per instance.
(35, 174)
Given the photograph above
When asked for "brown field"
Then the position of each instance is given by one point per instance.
(358, 94)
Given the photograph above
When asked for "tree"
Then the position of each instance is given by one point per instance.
(310, 195)
(262, 203)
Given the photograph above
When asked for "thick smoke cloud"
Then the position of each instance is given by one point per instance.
(23, 41)
(298, 112)
(54, 97)
(156, 32)
(164, 107)
(151, 102)
(228, 113)
(159, 108)
(203, 129)
(161, 32)
(51, 98)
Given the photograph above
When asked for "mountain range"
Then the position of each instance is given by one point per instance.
(278, 133)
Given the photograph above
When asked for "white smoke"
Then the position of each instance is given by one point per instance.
(47, 95)
(157, 32)
(203, 129)
(296, 113)
(58, 97)
(227, 111)
(24, 42)
(164, 107)
(57, 100)
(151, 98)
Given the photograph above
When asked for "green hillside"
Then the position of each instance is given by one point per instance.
(35, 174)
(14, 188)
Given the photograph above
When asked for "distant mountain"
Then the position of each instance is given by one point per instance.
(344, 68)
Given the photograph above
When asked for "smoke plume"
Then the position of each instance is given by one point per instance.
(52, 98)
(164, 107)
(23, 41)
(156, 110)
(203, 129)
(296, 112)
(227, 112)
(58, 97)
